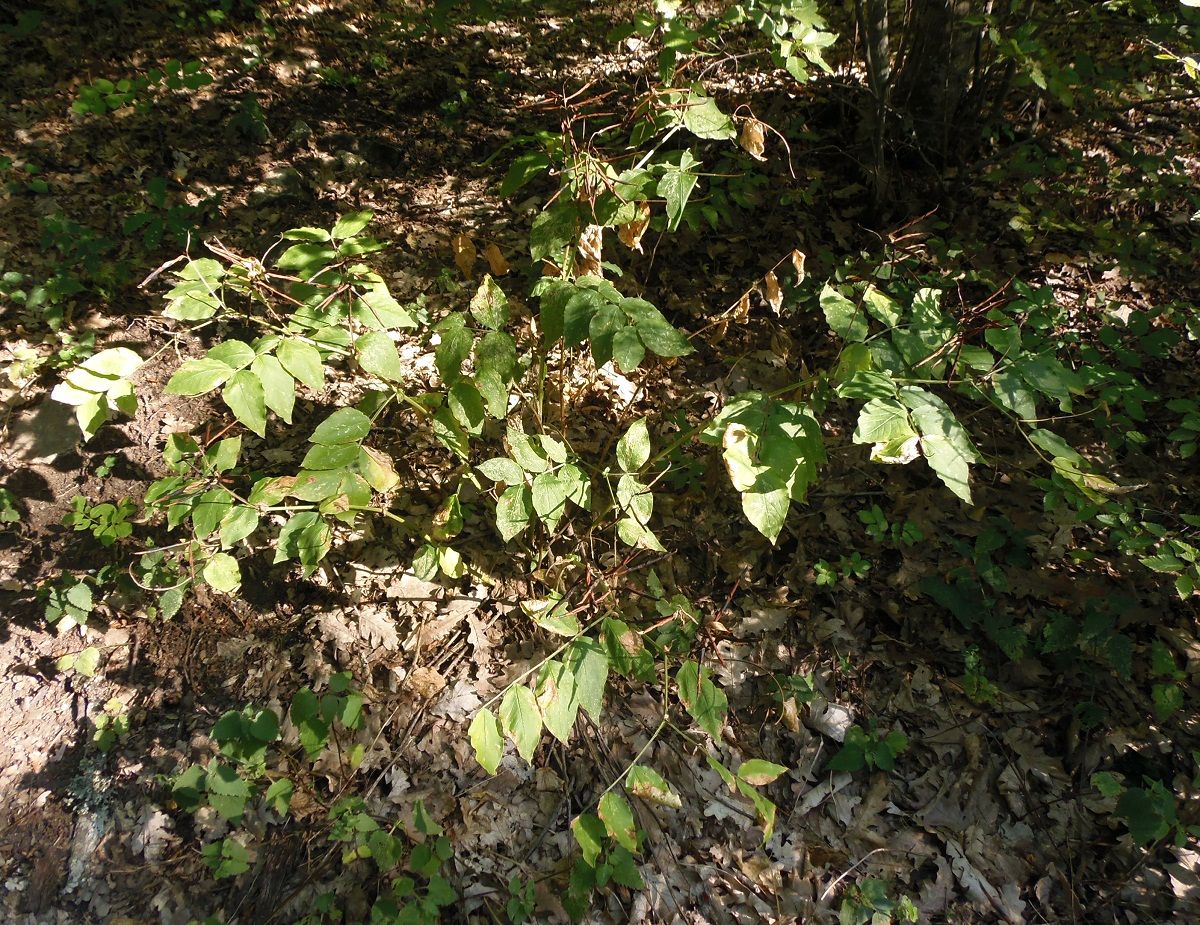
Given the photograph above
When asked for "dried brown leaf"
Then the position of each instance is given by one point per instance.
(630, 233)
(464, 254)
(741, 312)
(798, 265)
(753, 138)
(588, 252)
(772, 293)
(495, 260)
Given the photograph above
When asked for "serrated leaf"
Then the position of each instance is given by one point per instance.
(210, 508)
(233, 353)
(237, 524)
(306, 260)
(521, 719)
(944, 443)
(305, 537)
(502, 469)
(704, 119)
(701, 698)
(279, 795)
(377, 468)
(556, 699)
(589, 832)
(588, 663)
(466, 404)
(676, 185)
(553, 230)
(351, 224)
(549, 495)
(377, 355)
(486, 740)
(453, 348)
(514, 508)
(377, 309)
(766, 506)
(243, 393)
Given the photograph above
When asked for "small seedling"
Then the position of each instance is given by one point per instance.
(106, 522)
(864, 748)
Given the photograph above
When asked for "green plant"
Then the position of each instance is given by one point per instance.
(881, 530)
(1149, 813)
(868, 748)
(107, 522)
(173, 221)
(10, 513)
(868, 903)
(110, 725)
(521, 903)
(100, 387)
(102, 95)
(25, 177)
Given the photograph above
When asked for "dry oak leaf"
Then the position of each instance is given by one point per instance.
(495, 260)
(753, 138)
(630, 233)
(464, 254)
(587, 257)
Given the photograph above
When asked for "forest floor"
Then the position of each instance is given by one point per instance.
(989, 815)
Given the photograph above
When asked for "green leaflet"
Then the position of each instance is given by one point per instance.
(845, 319)
(617, 816)
(303, 361)
(915, 423)
(489, 305)
(486, 740)
(244, 395)
(676, 185)
(279, 388)
(377, 355)
(705, 702)
(521, 719)
(771, 451)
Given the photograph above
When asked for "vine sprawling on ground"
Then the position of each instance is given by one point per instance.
(434, 427)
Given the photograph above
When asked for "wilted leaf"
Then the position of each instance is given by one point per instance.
(752, 138)
(589, 251)
(495, 260)
(772, 293)
(630, 233)
(464, 254)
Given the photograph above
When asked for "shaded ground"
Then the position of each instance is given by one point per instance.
(989, 816)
